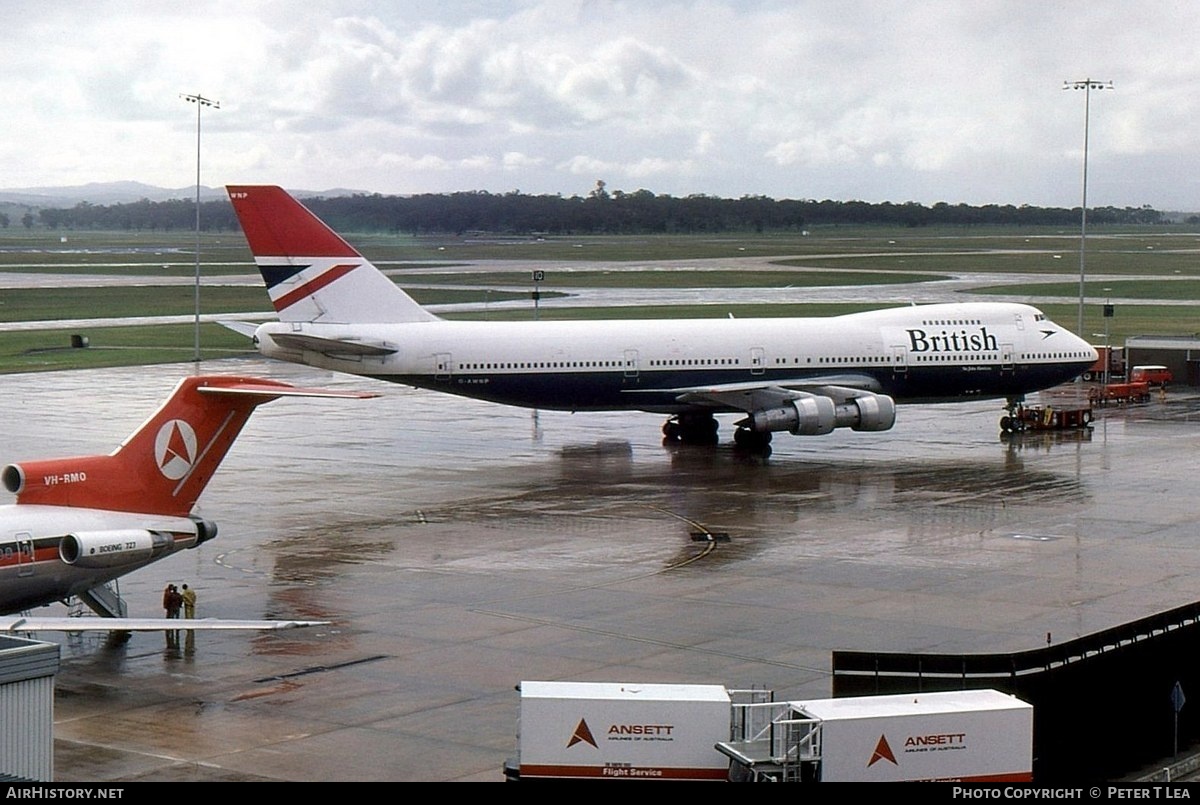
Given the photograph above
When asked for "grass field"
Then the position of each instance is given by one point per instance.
(1154, 272)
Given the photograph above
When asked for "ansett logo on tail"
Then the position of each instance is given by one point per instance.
(175, 449)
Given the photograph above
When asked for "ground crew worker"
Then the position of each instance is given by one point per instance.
(189, 602)
(173, 601)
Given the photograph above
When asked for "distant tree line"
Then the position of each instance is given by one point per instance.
(600, 212)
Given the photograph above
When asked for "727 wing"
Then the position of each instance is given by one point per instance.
(12, 625)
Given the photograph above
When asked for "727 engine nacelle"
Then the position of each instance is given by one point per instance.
(816, 415)
(113, 548)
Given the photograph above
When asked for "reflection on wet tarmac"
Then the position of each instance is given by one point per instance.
(460, 550)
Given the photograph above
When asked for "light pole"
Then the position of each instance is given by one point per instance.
(200, 102)
(1108, 314)
(1087, 85)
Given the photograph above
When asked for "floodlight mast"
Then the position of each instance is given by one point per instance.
(1087, 85)
(200, 102)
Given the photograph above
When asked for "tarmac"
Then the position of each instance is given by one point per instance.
(460, 547)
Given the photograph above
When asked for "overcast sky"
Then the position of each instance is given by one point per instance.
(959, 101)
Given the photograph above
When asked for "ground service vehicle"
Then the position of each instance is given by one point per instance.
(1155, 375)
(1113, 358)
(588, 730)
(966, 735)
(613, 731)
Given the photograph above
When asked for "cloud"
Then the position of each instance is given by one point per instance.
(956, 100)
(515, 161)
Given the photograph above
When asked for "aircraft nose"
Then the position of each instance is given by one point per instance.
(1082, 345)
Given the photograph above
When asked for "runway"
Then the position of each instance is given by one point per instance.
(461, 547)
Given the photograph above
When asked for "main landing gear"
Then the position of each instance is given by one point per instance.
(701, 429)
(690, 429)
(748, 439)
(1010, 418)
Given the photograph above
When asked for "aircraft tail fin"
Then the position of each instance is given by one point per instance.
(165, 464)
(311, 273)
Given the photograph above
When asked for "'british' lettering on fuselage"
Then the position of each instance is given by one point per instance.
(946, 341)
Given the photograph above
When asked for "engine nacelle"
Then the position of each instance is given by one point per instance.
(205, 529)
(803, 416)
(113, 548)
(869, 412)
(815, 415)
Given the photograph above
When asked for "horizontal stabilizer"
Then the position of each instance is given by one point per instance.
(240, 327)
(331, 346)
(17, 624)
(287, 391)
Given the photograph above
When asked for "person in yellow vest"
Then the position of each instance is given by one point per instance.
(189, 602)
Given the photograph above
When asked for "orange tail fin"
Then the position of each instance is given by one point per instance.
(164, 465)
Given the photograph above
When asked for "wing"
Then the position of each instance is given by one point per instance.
(805, 406)
(90, 624)
(757, 396)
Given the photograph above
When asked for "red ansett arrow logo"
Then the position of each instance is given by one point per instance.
(582, 734)
(883, 751)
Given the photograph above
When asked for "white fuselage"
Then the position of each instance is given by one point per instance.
(33, 571)
(931, 353)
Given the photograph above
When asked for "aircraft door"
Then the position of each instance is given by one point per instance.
(24, 545)
(758, 360)
(442, 366)
(1006, 357)
(899, 360)
(631, 363)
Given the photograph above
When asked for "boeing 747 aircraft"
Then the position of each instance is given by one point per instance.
(806, 376)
